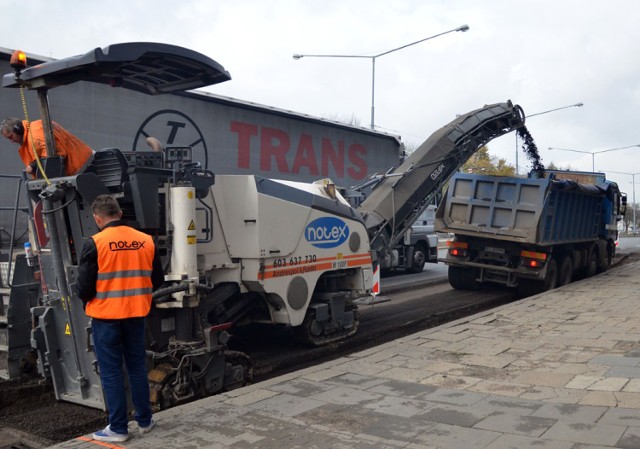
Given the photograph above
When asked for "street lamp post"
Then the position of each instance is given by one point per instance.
(373, 58)
(578, 105)
(633, 182)
(593, 153)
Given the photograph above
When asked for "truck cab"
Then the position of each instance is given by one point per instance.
(420, 243)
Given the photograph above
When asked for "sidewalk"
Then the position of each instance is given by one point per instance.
(554, 371)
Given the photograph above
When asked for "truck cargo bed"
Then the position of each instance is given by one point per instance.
(535, 211)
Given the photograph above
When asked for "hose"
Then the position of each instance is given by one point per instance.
(163, 294)
(33, 144)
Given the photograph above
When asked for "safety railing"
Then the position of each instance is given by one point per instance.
(10, 213)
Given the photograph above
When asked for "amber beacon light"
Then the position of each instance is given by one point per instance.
(18, 60)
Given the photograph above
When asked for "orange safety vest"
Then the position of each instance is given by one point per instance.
(125, 263)
(74, 150)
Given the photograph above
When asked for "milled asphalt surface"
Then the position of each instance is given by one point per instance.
(560, 370)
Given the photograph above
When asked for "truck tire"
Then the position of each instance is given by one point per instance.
(530, 287)
(419, 259)
(566, 271)
(604, 262)
(592, 263)
(551, 280)
(463, 278)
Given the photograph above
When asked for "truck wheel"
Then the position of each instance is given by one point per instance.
(551, 280)
(463, 278)
(419, 259)
(530, 287)
(566, 271)
(592, 263)
(604, 262)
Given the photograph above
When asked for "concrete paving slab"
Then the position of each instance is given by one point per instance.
(402, 407)
(508, 441)
(630, 439)
(509, 405)
(603, 434)
(455, 437)
(512, 423)
(571, 413)
(462, 416)
(359, 381)
(403, 389)
(455, 397)
(630, 372)
(401, 429)
(345, 396)
(622, 417)
(301, 387)
(287, 404)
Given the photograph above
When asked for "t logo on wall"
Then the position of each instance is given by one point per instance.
(173, 129)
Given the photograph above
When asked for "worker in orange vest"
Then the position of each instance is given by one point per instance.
(118, 270)
(30, 137)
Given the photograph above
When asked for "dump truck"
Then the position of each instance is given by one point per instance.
(532, 234)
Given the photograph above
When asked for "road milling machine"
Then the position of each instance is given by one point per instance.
(237, 249)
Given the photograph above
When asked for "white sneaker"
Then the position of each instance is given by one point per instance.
(109, 435)
(147, 429)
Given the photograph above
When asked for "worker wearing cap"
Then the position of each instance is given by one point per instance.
(30, 136)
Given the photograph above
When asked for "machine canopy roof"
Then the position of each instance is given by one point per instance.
(151, 68)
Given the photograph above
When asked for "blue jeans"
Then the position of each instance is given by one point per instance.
(116, 341)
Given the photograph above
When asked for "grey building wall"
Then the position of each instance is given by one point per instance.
(228, 136)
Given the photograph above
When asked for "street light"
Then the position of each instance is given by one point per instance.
(633, 181)
(297, 56)
(593, 153)
(577, 105)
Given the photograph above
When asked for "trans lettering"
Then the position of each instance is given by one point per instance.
(123, 245)
(317, 160)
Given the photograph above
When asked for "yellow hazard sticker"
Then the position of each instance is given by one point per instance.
(191, 240)
(192, 226)
(190, 195)
(67, 329)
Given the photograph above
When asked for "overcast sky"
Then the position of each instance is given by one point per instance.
(541, 54)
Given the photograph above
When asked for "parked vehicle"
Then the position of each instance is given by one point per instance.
(531, 234)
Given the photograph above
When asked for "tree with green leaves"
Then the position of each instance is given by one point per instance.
(482, 163)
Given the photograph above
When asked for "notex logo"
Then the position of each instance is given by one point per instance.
(326, 232)
(123, 245)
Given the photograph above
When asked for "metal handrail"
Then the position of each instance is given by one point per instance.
(15, 208)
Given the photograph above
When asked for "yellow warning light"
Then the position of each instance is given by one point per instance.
(18, 60)
(67, 329)
(190, 195)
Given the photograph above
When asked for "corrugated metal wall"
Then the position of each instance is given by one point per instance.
(228, 136)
